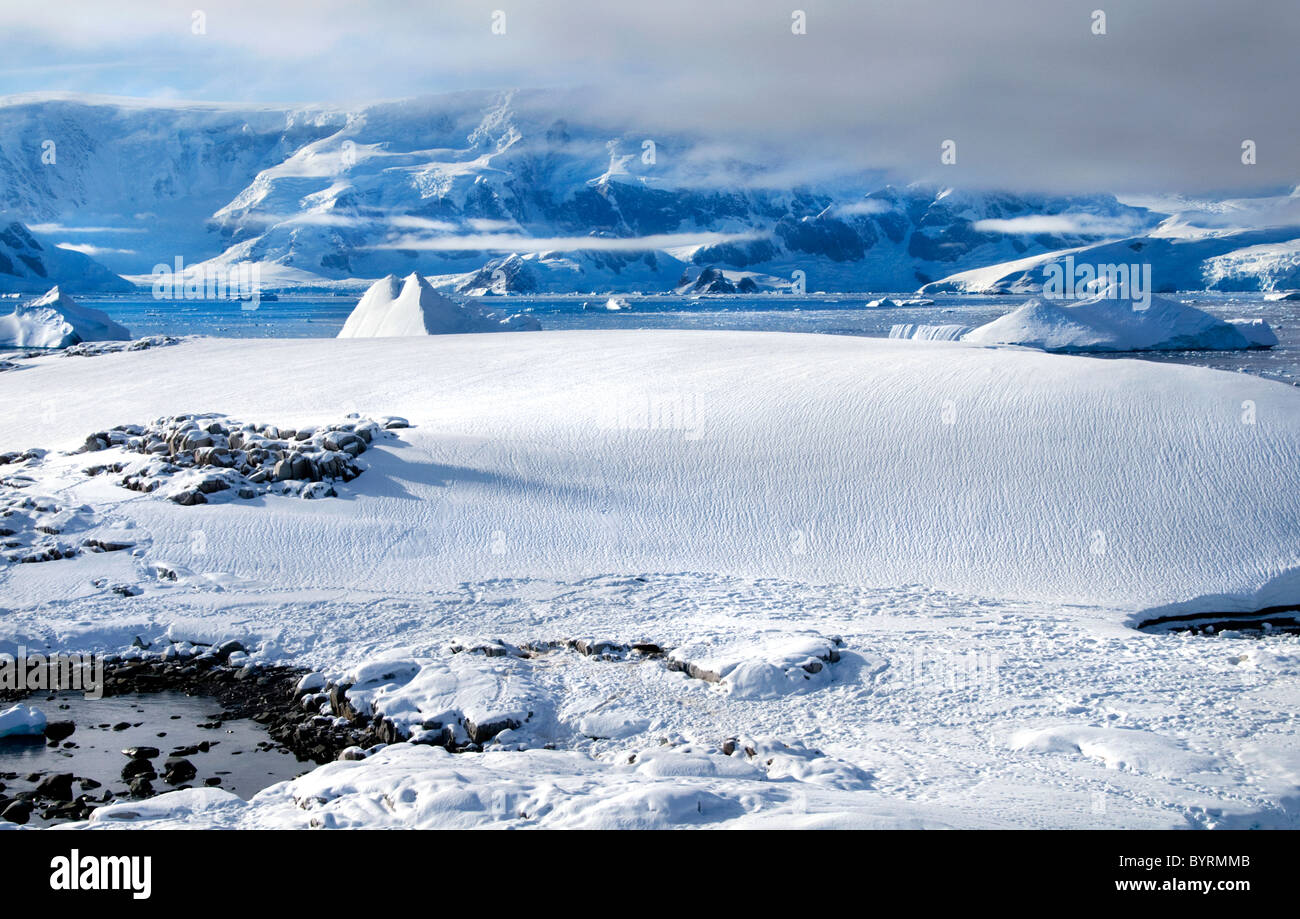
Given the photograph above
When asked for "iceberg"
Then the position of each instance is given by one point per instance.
(1108, 323)
(395, 308)
(922, 332)
(55, 320)
(22, 721)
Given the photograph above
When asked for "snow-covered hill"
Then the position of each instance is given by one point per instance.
(717, 451)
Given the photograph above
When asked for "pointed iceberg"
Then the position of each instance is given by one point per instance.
(394, 308)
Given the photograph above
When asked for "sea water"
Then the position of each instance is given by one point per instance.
(322, 316)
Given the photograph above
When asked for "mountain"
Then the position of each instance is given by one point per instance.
(27, 265)
(514, 192)
(1248, 244)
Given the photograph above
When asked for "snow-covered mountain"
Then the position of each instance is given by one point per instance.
(29, 265)
(1250, 244)
(526, 191)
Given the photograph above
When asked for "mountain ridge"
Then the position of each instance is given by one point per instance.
(509, 191)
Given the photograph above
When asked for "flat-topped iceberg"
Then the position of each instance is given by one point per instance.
(394, 308)
(55, 320)
(1107, 323)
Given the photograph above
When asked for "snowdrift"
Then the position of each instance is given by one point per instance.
(393, 308)
(55, 320)
(1107, 323)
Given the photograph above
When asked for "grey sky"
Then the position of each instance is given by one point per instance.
(1032, 97)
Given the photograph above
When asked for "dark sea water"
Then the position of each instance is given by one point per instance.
(316, 316)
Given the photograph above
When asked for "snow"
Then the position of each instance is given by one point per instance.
(393, 308)
(972, 531)
(1130, 749)
(29, 263)
(55, 320)
(1110, 323)
(549, 453)
(22, 721)
(763, 666)
(316, 194)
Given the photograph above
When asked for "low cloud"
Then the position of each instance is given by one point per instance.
(1060, 225)
(515, 243)
(95, 251)
(1032, 94)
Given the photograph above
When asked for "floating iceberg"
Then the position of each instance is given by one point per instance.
(394, 308)
(1107, 323)
(56, 321)
(22, 721)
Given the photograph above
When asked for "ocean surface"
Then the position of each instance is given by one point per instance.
(317, 316)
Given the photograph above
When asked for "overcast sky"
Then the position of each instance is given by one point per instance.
(1032, 97)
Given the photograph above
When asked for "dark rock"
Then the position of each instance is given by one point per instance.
(141, 787)
(482, 733)
(18, 812)
(57, 787)
(177, 770)
(142, 752)
(227, 648)
(138, 767)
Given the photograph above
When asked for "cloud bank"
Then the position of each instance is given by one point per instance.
(1031, 95)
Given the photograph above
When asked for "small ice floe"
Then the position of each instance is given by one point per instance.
(889, 303)
(614, 304)
(22, 721)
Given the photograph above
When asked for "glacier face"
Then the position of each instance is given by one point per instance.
(491, 191)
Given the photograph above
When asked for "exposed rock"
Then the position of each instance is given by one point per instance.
(58, 787)
(59, 730)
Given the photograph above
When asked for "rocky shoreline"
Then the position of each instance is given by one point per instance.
(272, 696)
